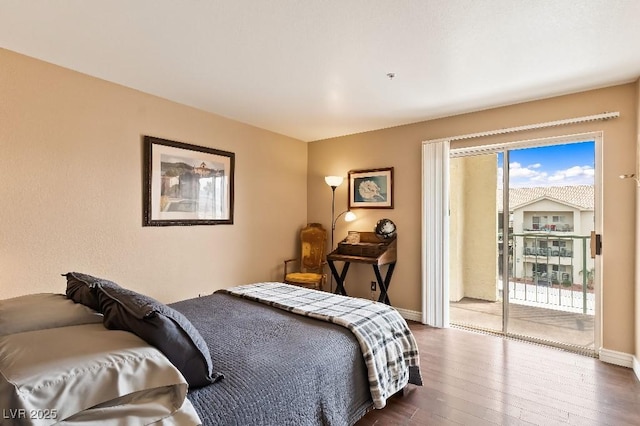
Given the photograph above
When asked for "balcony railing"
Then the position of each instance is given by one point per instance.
(533, 280)
(555, 227)
(547, 251)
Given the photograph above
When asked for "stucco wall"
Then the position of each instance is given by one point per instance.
(473, 238)
(401, 147)
(457, 209)
(71, 173)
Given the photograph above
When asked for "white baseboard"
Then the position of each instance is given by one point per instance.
(410, 315)
(618, 358)
(636, 367)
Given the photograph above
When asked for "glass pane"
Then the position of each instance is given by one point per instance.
(551, 201)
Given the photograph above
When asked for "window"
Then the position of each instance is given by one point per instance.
(535, 220)
(557, 219)
(539, 267)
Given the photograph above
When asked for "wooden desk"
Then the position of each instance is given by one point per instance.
(387, 257)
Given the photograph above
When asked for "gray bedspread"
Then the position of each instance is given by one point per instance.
(274, 374)
(389, 349)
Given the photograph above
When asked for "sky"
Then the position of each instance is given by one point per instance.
(556, 165)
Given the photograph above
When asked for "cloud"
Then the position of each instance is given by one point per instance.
(517, 171)
(535, 175)
(572, 174)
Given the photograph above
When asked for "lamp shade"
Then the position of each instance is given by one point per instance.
(333, 180)
(350, 216)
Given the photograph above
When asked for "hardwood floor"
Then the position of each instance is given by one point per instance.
(477, 379)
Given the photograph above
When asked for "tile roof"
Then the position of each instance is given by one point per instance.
(581, 196)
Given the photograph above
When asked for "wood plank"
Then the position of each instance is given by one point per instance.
(478, 379)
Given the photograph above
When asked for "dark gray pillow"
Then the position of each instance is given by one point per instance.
(161, 326)
(81, 288)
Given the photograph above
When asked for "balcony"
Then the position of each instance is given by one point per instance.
(573, 329)
(558, 227)
(551, 296)
(547, 251)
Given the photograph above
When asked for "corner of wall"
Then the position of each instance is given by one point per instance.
(410, 315)
(636, 368)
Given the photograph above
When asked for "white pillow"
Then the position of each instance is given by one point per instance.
(57, 373)
(41, 311)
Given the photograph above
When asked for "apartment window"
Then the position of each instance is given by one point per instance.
(539, 267)
(557, 219)
(535, 220)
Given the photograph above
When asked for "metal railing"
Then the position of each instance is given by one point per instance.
(558, 227)
(532, 278)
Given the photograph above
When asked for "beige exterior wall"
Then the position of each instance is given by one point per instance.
(401, 147)
(456, 227)
(71, 173)
(474, 228)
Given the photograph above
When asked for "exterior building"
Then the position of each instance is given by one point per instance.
(550, 227)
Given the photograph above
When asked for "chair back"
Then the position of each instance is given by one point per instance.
(313, 238)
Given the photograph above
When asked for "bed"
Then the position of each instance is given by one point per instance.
(239, 356)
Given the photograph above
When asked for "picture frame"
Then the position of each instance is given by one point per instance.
(186, 184)
(371, 188)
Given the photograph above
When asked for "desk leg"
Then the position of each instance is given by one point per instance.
(384, 285)
(339, 278)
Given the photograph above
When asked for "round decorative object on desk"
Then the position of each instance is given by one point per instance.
(385, 229)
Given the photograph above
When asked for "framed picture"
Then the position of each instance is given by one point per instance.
(186, 184)
(372, 188)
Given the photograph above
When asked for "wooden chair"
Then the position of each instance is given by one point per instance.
(310, 270)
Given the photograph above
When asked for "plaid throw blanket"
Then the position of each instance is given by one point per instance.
(389, 349)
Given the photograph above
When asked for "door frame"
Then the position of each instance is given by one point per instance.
(434, 312)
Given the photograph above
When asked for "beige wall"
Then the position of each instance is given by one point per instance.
(480, 241)
(71, 173)
(473, 246)
(637, 211)
(456, 227)
(401, 147)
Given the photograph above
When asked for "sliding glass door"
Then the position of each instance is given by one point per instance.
(520, 226)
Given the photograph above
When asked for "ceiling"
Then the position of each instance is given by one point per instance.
(318, 69)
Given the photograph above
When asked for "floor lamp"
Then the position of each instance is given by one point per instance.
(334, 182)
